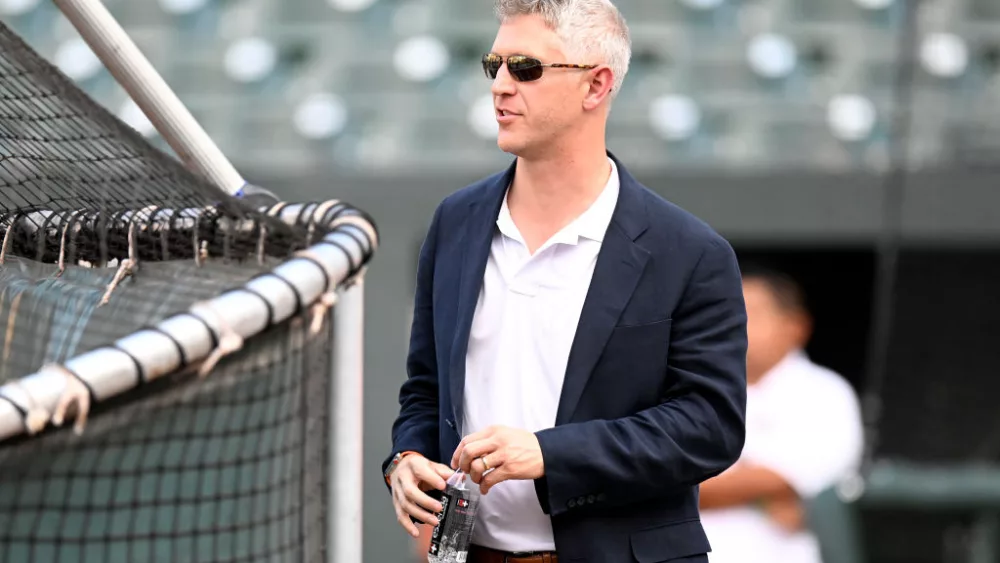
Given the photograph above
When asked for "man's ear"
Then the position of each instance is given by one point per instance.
(602, 79)
(803, 328)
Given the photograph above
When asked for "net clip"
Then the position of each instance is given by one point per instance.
(70, 224)
(127, 266)
(354, 278)
(328, 300)
(229, 340)
(319, 310)
(74, 394)
(5, 246)
(35, 416)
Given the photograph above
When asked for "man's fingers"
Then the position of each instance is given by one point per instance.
(420, 514)
(474, 437)
(427, 474)
(417, 497)
(457, 456)
(490, 479)
(407, 500)
(475, 450)
(476, 470)
(483, 465)
(404, 520)
(479, 448)
(442, 470)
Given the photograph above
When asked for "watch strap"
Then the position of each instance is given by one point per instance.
(394, 463)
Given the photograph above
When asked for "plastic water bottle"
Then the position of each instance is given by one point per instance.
(452, 536)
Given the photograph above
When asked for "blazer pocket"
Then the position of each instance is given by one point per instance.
(656, 332)
(669, 542)
(638, 326)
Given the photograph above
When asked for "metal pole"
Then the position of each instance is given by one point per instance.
(347, 423)
(150, 92)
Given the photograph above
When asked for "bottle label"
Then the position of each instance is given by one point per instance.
(435, 547)
(452, 537)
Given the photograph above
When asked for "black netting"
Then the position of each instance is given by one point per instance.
(66, 161)
(232, 467)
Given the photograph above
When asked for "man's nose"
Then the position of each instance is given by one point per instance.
(503, 83)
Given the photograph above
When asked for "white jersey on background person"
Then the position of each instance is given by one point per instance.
(803, 422)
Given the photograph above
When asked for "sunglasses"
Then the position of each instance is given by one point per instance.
(522, 68)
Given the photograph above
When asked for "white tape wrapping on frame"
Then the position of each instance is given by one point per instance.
(189, 337)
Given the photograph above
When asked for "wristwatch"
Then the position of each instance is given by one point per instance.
(395, 463)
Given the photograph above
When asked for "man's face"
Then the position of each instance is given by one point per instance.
(534, 115)
(772, 331)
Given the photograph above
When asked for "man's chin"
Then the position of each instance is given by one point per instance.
(509, 145)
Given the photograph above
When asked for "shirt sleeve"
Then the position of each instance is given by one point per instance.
(817, 439)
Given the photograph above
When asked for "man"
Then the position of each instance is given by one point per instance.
(575, 337)
(804, 433)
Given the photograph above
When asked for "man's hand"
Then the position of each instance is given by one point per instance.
(787, 513)
(497, 454)
(415, 475)
(744, 483)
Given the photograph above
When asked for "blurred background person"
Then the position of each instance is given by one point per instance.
(804, 434)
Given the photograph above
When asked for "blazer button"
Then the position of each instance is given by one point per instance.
(581, 501)
(601, 497)
(590, 499)
(571, 503)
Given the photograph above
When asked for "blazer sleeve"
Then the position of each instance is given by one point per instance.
(416, 426)
(694, 434)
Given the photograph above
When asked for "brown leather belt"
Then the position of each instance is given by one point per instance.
(479, 554)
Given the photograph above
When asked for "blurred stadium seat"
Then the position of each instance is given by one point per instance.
(740, 84)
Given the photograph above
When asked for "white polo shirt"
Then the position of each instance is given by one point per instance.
(804, 423)
(524, 325)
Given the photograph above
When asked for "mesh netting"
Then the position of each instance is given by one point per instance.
(64, 160)
(230, 467)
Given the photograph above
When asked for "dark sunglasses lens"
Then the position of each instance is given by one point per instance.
(491, 65)
(524, 69)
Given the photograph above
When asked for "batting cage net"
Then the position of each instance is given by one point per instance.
(187, 328)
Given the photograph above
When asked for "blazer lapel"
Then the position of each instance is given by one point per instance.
(620, 264)
(475, 236)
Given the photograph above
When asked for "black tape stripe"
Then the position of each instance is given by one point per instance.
(270, 308)
(93, 397)
(138, 367)
(333, 212)
(295, 290)
(21, 411)
(275, 210)
(306, 210)
(177, 343)
(356, 233)
(326, 276)
(18, 408)
(350, 259)
(208, 327)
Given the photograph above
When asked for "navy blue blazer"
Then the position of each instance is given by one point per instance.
(654, 396)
